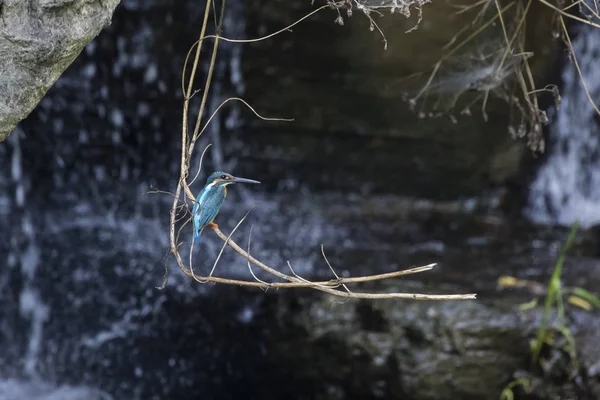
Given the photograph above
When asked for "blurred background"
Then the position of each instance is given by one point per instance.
(382, 182)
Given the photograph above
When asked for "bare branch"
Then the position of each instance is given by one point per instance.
(247, 105)
(250, 266)
(581, 78)
(331, 268)
(289, 281)
(331, 283)
(158, 191)
(287, 28)
(226, 242)
(200, 164)
(568, 15)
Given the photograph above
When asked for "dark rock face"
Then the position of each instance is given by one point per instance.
(419, 350)
(349, 99)
(38, 40)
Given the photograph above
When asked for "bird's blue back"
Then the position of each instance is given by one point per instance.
(207, 206)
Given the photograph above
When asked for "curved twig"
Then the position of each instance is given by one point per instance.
(333, 270)
(287, 28)
(225, 243)
(250, 266)
(199, 165)
(581, 78)
(320, 285)
(247, 105)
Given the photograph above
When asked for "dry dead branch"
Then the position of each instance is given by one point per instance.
(181, 209)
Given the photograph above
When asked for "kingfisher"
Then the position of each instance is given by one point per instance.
(211, 198)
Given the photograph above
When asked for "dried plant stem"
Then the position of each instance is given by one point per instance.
(458, 47)
(185, 159)
(186, 104)
(327, 286)
(587, 92)
(569, 15)
(287, 28)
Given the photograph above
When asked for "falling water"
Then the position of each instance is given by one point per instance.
(567, 187)
(227, 64)
(87, 245)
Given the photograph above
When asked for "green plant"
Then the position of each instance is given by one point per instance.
(508, 393)
(554, 297)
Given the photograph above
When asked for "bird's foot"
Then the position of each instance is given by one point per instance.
(213, 225)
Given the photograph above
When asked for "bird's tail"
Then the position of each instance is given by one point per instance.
(197, 234)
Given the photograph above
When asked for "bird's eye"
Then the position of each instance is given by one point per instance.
(224, 177)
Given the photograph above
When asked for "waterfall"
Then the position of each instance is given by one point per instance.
(567, 186)
(86, 244)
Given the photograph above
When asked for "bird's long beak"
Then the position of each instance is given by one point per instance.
(243, 180)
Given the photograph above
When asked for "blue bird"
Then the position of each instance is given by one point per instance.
(211, 198)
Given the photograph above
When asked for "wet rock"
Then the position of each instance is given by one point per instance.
(417, 350)
(427, 350)
(38, 40)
